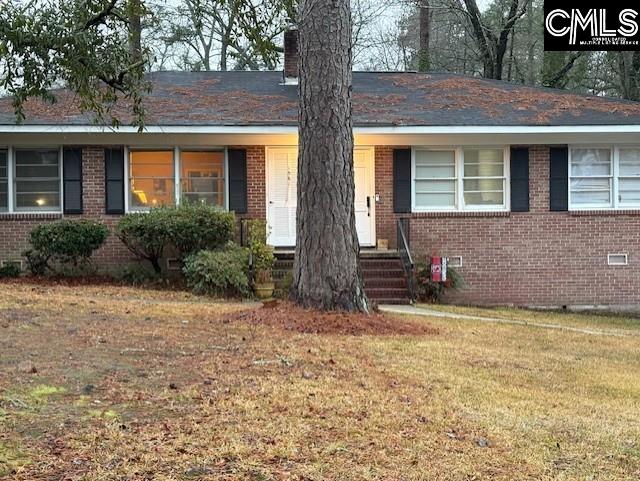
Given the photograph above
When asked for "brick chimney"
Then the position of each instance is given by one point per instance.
(291, 54)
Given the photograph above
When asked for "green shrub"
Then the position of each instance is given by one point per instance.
(10, 270)
(147, 234)
(36, 262)
(188, 228)
(137, 275)
(66, 243)
(200, 227)
(429, 291)
(223, 272)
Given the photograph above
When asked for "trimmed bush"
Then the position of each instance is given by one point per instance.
(221, 272)
(147, 234)
(137, 275)
(9, 270)
(200, 227)
(66, 242)
(188, 228)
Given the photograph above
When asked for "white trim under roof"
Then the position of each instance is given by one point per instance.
(284, 129)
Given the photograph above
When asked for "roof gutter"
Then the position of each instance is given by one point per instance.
(289, 130)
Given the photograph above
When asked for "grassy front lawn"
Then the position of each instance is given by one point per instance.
(111, 383)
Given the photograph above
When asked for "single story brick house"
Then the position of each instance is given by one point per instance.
(533, 193)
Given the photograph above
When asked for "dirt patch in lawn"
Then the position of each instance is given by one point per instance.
(289, 317)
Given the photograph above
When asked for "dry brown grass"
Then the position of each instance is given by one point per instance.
(181, 394)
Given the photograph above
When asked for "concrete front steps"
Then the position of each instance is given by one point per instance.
(385, 281)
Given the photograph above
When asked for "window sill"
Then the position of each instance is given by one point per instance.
(603, 212)
(4, 216)
(484, 213)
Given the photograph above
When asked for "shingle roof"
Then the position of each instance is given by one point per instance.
(380, 99)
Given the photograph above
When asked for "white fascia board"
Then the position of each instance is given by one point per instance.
(523, 129)
(288, 130)
(179, 129)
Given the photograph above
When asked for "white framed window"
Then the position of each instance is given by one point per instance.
(202, 176)
(168, 176)
(151, 179)
(471, 179)
(604, 177)
(31, 180)
(435, 179)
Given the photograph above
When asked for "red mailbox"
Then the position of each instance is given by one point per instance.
(436, 269)
(439, 269)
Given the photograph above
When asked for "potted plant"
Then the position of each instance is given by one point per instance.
(263, 284)
(263, 260)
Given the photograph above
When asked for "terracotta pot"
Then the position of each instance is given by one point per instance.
(264, 291)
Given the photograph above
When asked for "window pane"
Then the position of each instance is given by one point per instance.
(435, 165)
(483, 198)
(435, 200)
(629, 191)
(435, 193)
(478, 185)
(483, 163)
(4, 200)
(3, 164)
(630, 162)
(202, 177)
(151, 178)
(37, 186)
(37, 201)
(151, 192)
(426, 186)
(430, 164)
(36, 158)
(152, 164)
(590, 162)
(592, 191)
(209, 199)
(37, 181)
(36, 170)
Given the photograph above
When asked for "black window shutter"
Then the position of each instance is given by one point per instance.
(114, 180)
(237, 180)
(72, 180)
(559, 179)
(402, 180)
(519, 179)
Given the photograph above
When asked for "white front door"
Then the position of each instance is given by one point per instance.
(282, 178)
(364, 178)
(282, 173)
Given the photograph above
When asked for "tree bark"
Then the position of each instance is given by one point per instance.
(326, 268)
(135, 30)
(425, 33)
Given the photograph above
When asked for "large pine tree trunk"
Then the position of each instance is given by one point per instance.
(326, 269)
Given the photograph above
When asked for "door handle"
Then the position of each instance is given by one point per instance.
(368, 206)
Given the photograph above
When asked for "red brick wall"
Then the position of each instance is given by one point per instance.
(256, 183)
(533, 258)
(14, 229)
